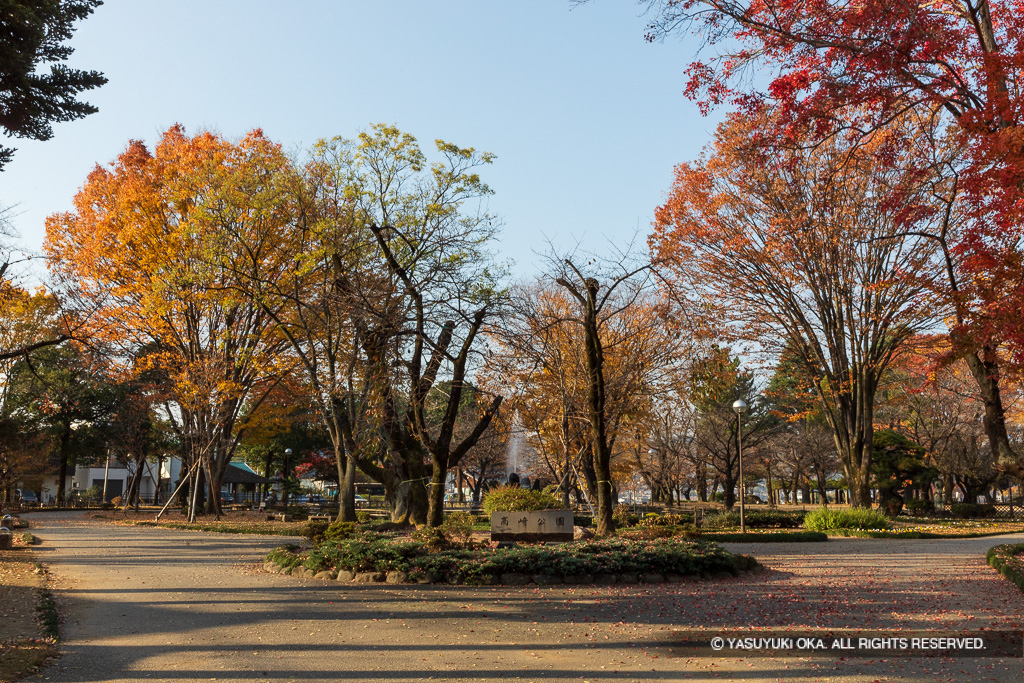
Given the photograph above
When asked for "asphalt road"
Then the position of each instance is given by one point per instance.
(142, 603)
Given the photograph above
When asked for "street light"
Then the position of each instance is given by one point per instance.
(740, 407)
(284, 484)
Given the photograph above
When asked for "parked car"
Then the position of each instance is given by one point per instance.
(226, 499)
(29, 498)
(361, 501)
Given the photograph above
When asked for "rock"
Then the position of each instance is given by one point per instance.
(606, 579)
(326, 575)
(652, 578)
(629, 578)
(345, 575)
(674, 578)
(369, 577)
(397, 577)
(578, 579)
(723, 575)
(426, 577)
(546, 580)
(582, 533)
(455, 581)
(489, 580)
(271, 567)
(516, 579)
(287, 570)
(300, 571)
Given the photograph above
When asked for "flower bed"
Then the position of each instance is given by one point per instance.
(1008, 560)
(379, 556)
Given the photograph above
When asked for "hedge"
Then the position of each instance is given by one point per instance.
(1008, 560)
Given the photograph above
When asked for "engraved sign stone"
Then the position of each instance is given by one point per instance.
(540, 525)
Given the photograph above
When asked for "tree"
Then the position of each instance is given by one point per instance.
(34, 33)
(856, 68)
(898, 464)
(144, 246)
(798, 250)
(64, 393)
(600, 294)
(716, 382)
(431, 238)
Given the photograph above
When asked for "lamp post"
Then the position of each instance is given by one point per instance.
(284, 484)
(739, 407)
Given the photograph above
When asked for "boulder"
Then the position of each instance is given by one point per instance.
(345, 575)
(652, 578)
(397, 577)
(326, 575)
(582, 533)
(629, 578)
(369, 577)
(606, 579)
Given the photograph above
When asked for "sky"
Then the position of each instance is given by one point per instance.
(586, 118)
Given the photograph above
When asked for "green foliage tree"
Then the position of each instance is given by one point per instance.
(34, 33)
(62, 392)
(897, 463)
(716, 381)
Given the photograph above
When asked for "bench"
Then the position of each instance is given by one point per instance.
(322, 518)
(279, 517)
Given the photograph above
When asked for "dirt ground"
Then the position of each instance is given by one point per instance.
(23, 645)
(144, 603)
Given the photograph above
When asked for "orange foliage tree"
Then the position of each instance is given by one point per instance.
(801, 249)
(145, 246)
(583, 401)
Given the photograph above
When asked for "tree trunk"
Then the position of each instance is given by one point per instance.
(62, 472)
(730, 492)
(986, 374)
(435, 509)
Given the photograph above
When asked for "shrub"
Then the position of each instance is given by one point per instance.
(516, 499)
(624, 517)
(314, 531)
(363, 517)
(339, 530)
(721, 520)
(433, 538)
(378, 552)
(972, 510)
(826, 519)
(775, 519)
(459, 527)
(669, 520)
(916, 506)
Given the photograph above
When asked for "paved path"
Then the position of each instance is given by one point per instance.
(153, 604)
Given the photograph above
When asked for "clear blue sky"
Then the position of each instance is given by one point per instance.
(586, 119)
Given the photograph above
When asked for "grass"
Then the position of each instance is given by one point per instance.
(226, 527)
